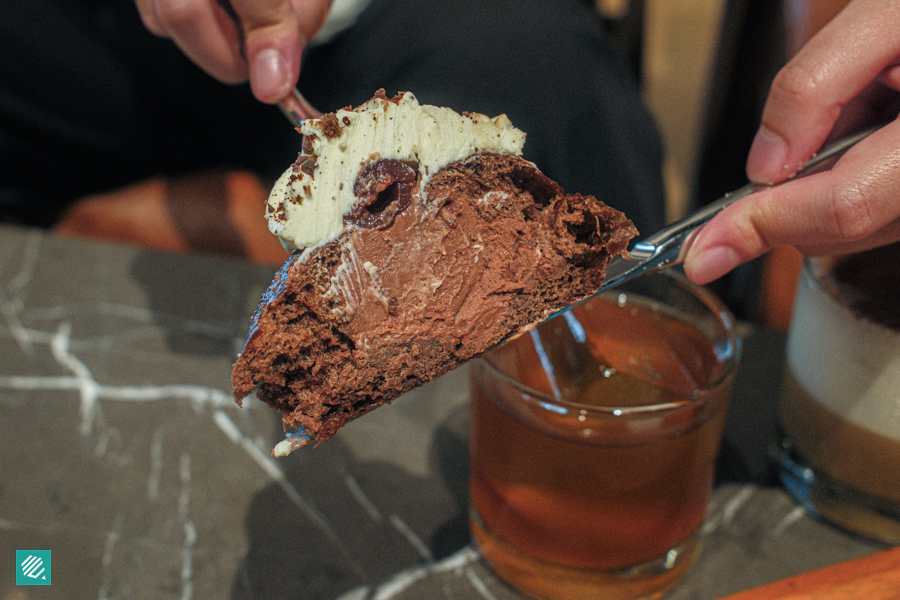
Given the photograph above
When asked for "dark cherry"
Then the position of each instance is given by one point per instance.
(385, 188)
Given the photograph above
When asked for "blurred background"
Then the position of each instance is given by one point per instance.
(704, 68)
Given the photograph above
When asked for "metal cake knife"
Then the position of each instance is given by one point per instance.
(669, 246)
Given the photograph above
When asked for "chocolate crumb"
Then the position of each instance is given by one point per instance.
(308, 165)
(331, 128)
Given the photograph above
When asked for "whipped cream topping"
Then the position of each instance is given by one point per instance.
(309, 203)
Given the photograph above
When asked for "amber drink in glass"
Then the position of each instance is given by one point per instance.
(594, 441)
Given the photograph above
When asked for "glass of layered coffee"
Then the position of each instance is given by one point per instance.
(839, 448)
(594, 439)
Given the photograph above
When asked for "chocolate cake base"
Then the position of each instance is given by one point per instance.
(489, 249)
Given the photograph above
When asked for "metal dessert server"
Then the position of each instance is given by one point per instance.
(669, 246)
(297, 109)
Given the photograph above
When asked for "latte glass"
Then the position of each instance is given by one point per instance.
(839, 448)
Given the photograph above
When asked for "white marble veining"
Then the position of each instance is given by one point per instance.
(109, 548)
(52, 331)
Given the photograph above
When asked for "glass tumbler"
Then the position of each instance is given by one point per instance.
(594, 440)
(839, 447)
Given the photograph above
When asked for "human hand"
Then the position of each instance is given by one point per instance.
(823, 90)
(259, 40)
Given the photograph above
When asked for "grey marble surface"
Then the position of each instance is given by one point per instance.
(122, 451)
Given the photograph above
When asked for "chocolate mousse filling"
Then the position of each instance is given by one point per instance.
(423, 282)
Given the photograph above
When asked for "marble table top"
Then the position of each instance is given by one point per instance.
(123, 452)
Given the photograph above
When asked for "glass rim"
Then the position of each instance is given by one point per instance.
(717, 309)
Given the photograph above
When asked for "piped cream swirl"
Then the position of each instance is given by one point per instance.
(308, 204)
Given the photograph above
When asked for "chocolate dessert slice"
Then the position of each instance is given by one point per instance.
(447, 243)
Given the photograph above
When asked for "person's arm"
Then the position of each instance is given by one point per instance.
(274, 33)
(854, 206)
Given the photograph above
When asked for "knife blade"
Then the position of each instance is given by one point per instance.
(669, 246)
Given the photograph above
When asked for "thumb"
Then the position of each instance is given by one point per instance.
(275, 33)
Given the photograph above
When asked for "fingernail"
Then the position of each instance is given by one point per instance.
(269, 75)
(712, 263)
(767, 162)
